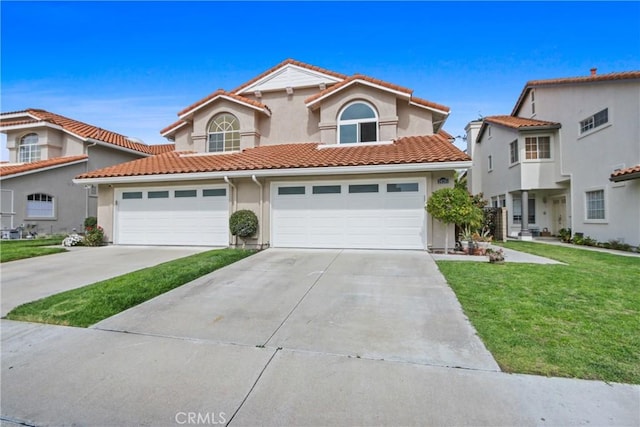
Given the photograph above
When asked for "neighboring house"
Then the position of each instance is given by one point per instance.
(325, 160)
(46, 151)
(568, 156)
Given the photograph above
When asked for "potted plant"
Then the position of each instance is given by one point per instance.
(453, 206)
(482, 240)
(465, 237)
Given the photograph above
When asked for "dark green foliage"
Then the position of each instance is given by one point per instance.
(243, 223)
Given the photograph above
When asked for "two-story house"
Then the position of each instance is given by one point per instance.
(325, 160)
(568, 156)
(46, 151)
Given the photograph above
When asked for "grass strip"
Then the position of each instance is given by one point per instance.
(580, 320)
(12, 250)
(90, 304)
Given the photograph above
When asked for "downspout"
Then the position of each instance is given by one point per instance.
(261, 240)
(234, 206)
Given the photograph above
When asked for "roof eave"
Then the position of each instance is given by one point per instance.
(228, 98)
(625, 177)
(117, 147)
(316, 171)
(16, 175)
(318, 100)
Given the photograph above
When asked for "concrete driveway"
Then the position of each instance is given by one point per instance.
(34, 278)
(391, 305)
(290, 337)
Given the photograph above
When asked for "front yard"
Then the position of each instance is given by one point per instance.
(578, 320)
(90, 304)
(11, 250)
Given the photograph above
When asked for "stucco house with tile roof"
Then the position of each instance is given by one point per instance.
(46, 151)
(571, 149)
(325, 160)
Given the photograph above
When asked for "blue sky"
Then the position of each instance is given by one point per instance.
(131, 66)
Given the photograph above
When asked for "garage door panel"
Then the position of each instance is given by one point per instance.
(153, 220)
(380, 219)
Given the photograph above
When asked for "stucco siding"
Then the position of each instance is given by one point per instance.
(413, 120)
(70, 201)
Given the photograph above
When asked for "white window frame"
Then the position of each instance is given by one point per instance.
(229, 142)
(604, 205)
(589, 125)
(533, 103)
(52, 209)
(538, 158)
(29, 151)
(514, 150)
(489, 163)
(358, 122)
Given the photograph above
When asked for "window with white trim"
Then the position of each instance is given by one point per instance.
(598, 119)
(490, 163)
(595, 204)
(533, 102)
(358, 122)
(40, 206)
(513, 152)
(29, 150)
(223, 134)
(537, 147)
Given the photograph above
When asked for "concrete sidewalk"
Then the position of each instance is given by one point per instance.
(54, 375)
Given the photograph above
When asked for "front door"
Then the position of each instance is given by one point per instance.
(559, 214)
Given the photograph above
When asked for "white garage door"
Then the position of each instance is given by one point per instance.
(381, 214)
(173, 216)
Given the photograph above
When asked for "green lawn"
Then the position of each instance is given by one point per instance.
(88, 305)
(578, 320)
(11, 250)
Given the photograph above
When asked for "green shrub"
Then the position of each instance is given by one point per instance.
(90, 221)
(243, 223)
(94, 236)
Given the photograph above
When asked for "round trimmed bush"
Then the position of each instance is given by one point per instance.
(243, 223)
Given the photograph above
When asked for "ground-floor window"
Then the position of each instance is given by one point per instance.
(595, 204)
(517, 211)
(40, 206)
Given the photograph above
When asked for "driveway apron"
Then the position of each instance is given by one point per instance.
(390, 305)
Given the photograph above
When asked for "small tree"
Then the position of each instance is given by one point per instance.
(453, 206)
(243, 223)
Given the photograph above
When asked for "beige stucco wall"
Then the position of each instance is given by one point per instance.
(292, 122)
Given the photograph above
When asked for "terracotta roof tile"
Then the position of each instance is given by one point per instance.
(83, 130)
(222, 92)
(518, 122)
(414, 149)
(7, 169)
(162, 148)
(624, 75)
(632, 172)
(292, 62)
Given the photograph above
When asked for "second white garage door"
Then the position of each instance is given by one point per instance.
(381, 214)
(173, 216)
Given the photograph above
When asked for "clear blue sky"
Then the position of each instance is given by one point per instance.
(131, 66)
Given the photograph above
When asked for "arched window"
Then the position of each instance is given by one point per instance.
(358, 122)
(29, 150)
(224, 134)
(40, 206)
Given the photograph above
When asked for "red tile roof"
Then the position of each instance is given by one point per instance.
(7, 169)
(625, 75)
(219, 93)
(518, 122)
(515, 123)
(414, 149)
(82, 130)
(286, 62)
(626, 174)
